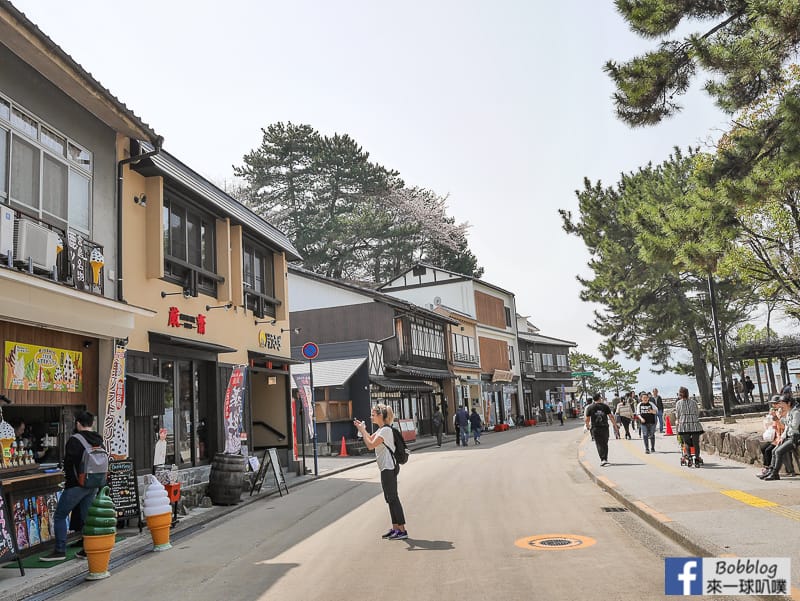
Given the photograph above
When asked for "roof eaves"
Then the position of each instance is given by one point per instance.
(144, 130)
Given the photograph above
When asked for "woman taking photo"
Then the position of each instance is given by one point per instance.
(382, 441)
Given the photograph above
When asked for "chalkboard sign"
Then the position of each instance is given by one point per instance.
(8, 544)
(276, 467)
(270, 458)
(124, 489)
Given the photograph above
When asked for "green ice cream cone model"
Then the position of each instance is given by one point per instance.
(99, 533)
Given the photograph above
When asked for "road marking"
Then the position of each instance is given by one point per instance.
(748, 499)
(555, 542)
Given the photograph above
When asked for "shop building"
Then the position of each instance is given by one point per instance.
(409, 346)
(465, 387)
(215, 275)
(546, 373)
(493, 309)
(60, 318)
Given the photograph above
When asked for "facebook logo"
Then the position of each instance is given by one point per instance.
(683, 576)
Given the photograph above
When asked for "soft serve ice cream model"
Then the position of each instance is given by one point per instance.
(99, 533)
(158, 513)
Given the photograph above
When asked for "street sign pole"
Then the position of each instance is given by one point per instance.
(310, 351)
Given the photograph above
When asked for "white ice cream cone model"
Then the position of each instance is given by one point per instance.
(97, 261)
(158, 513)
(99, 533)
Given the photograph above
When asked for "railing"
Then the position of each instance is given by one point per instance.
(79, 262)
(464, 358)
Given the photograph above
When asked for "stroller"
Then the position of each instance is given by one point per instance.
(687, 454)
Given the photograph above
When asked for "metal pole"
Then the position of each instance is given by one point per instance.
(313, 416)
(726, 401)
(302, 431)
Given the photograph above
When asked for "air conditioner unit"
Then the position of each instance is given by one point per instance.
(36, 242)
(6, 230)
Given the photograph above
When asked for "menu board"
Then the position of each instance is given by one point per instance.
(123, 488)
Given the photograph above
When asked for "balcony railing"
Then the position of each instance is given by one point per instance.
(67, 257)
(464, 358)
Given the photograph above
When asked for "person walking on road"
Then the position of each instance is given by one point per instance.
(475, 424)
(659, 403)
(789, 439)
(646, 413)
(382, 442)
(74, 495)
(625, 416)
(596, 418)
(687, 417)
(438, 422)
(462, 421)
(560, 411)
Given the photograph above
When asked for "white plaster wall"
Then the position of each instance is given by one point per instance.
(456, 295)
(307, 294)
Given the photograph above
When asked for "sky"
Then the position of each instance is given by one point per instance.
(502, 105)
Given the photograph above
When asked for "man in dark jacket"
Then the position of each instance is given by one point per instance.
(73, 495)
(462, 421)
(659, 403)
(596, 418)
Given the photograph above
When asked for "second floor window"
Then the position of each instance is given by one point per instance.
(189, 257)
(259, 281)
(548, 363)
(562, 362)
(508, 317)
(464, 348)
(511, 360)
(427, 339)
(42, 173)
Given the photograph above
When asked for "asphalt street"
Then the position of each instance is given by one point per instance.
(517, 517)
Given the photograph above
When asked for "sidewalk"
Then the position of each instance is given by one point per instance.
(718, 509)
(43, 582)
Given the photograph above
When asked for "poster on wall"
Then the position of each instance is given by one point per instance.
(35, 367)
(115, 434)
(234, 405)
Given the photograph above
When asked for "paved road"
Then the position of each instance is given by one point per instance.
(465, 510)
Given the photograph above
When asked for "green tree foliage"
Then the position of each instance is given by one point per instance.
(608, 375)
(651, 303)
(742, 44)
(348, 216)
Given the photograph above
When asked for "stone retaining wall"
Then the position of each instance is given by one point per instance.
(740, 446)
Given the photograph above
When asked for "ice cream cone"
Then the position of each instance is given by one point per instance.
(159, 530)
(97, 261)
(98, 552)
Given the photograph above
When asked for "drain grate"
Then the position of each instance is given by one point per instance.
(552, 542)
(613, 509)
(555, 542)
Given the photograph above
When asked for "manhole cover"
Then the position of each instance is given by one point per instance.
(554, 542)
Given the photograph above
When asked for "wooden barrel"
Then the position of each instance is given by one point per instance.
(225, 479)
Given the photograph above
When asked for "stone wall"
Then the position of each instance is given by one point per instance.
(740, 446)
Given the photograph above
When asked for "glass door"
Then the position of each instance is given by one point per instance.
(186, 414)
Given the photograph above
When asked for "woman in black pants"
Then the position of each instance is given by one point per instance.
(382, 441)
(687, 416)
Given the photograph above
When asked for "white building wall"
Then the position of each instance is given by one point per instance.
(456, 295)
(307, 294)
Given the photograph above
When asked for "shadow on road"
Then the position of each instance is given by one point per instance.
(416, 544)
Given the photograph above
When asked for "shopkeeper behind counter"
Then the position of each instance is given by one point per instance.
(29, 439)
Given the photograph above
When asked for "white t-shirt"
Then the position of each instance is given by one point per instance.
(382, 456)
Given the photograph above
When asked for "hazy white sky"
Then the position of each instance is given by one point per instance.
(501, 104)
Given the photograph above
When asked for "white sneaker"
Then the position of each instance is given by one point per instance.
(604, 463)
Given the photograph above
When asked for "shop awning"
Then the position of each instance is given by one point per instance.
(334, 372)
(277, 359)
(187, 343)
(391, 385)
(424, 372)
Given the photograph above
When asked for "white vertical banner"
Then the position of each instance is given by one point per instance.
(115, 433)
(303, 382)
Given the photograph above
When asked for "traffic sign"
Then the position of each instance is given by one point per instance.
(310, 350)
(582, 374)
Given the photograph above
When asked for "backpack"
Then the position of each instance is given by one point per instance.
(92, 471)
(400, 454)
